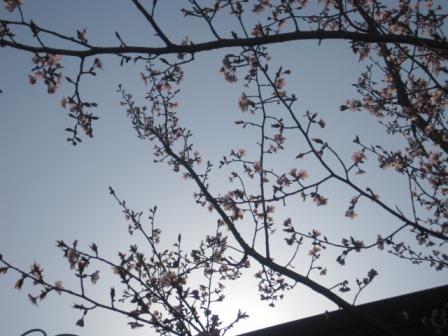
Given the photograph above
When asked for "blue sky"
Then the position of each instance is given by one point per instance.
(51, 190)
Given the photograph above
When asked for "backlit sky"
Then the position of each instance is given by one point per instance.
(50, 190)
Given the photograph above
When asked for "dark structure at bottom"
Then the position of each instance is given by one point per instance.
(422, 313)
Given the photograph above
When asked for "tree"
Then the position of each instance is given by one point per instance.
(404, 86)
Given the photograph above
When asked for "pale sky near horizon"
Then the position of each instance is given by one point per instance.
(50, 190)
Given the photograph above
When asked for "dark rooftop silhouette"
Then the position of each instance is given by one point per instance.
(405, 314)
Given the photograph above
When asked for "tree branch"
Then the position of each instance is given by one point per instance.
(268, 262)
(153, 23)
(239, 42)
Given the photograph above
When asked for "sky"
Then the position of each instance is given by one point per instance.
(51, 190)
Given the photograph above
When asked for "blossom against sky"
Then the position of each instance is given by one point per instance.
(51, 190)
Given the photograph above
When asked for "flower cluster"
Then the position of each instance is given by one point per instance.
(47, 68)
(11, 5)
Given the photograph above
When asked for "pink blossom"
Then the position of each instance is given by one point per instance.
(12, 4)
(279, 138)
(302, 174)
(72, 256)
(82, 35)
(63, 102)
(280, 83)
(53, 59)
(436, 97)
(358, 244)
(97, 63)
(257, 31)
(94, 277)
(244, 103)
(434, 158)
(359, 157)
(261, 6)
(167, 279)
(350, 214)
(314, 251)
(320, 200)
(58, 286)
